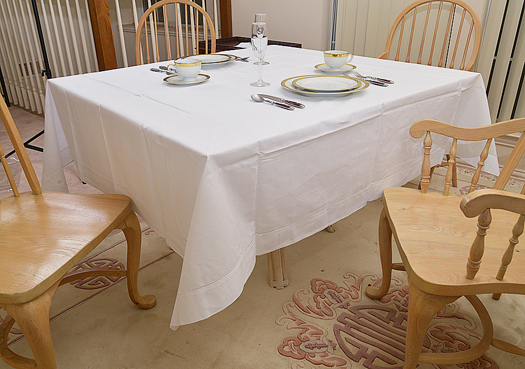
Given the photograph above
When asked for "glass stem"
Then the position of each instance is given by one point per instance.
(259, 71)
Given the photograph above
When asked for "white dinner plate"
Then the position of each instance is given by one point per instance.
(175, 79)
(326, 83)
(214, 58)
(287, 84)
(326, 68)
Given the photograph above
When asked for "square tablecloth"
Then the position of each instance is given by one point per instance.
(225, 178)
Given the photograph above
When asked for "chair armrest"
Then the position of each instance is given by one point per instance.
(423, 126)
(478, 201)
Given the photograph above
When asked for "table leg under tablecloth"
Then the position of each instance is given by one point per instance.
(277, 269)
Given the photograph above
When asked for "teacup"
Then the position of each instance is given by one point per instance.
(187, 68)
(335, 59)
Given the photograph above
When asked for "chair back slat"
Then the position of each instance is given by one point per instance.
(478, 246)
(517, 231)
(401, 39)
(454, 54)
(410, 42)
(444, 48)
(423, 37)
(188, 30)
(447, 42)
(477, 174)
(425, 167)
(436, 28)
(451, 166)
(166, 31)
(20, 150)
(511, 163)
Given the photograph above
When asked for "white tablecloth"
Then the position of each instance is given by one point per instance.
(224, 178)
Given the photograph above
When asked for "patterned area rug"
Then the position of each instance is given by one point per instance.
(332, 324)
(111, 252)
(337, 326)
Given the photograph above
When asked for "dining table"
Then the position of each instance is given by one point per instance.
(225, 178)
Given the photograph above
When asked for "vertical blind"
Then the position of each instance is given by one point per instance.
(69, 42)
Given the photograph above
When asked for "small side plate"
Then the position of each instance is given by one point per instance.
(175, 79)
(325, 68)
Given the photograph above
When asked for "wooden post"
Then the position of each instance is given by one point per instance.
(102, 33)
(226, 18)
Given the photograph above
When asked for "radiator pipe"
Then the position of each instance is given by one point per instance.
(4, 89)
(333, 24)
(47, 70)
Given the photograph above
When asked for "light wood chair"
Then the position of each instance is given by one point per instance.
(442, 245)
(436, 32)
(185, 20)
(42, 236)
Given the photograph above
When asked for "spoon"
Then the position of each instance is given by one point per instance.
(256, 97)
(161, 71)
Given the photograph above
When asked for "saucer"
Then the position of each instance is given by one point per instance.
(175, 79)
(326, 68)
(214, 58)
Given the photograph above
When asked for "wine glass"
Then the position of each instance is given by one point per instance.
(259, 44)
(261, 18)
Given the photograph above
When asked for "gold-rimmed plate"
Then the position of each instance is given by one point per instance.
(207, 59)
(326, 83)
(175, 79)
(288, 84)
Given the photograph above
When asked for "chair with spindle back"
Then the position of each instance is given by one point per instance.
(438, 33)
(187, 21)
(441, 246)
(42, 236)
(432, 32)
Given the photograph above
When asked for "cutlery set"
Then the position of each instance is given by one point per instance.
(277, 101)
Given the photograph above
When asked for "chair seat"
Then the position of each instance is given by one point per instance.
(429, 229)
(43, 236)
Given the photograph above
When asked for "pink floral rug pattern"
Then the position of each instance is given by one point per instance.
(337, 326)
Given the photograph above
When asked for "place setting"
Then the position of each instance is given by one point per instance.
(331, 84)
(338, 61)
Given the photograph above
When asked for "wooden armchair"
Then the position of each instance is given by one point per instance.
(42, 236)
(165, 20)
(442, 246)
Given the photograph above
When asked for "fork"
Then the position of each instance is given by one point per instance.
(359, 75)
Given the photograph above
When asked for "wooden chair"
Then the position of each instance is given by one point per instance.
(441, 245)
(440, 32)
(42, 236)
(444, 33)
(187, 21)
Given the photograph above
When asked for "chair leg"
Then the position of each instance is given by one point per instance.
(422, 307)
(131, 229)
(385, 252)
(455, 175)
(33, 319)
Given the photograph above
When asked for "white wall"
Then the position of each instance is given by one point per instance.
(303, 21)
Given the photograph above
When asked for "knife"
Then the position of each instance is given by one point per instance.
(279, 99)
